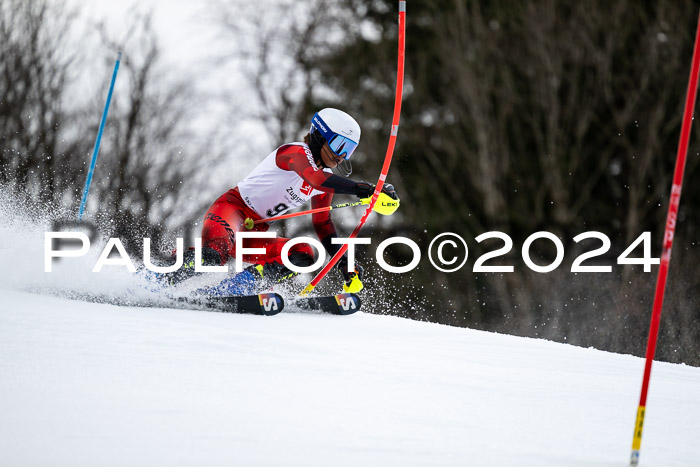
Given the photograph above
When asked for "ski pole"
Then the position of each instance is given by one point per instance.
(669, 233)
(96, 149)
(386, 207)
(249, 223)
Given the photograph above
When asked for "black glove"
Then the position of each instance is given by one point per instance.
(343, 268)
(365, 190)
(389, 190)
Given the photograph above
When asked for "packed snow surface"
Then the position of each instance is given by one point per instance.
(85, 384)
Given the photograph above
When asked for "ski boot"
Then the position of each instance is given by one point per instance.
(246, 282)
(257, 277)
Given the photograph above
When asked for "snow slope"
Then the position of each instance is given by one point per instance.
(90, 384)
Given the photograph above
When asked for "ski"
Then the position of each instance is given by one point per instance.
(341, 304)
(266, 304)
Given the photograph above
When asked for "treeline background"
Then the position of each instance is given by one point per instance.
(522, 116)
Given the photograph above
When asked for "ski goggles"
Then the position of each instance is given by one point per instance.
(341, 146)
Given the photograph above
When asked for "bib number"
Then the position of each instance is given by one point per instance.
(280, 208)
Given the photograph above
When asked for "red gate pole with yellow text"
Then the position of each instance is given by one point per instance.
(667, 245)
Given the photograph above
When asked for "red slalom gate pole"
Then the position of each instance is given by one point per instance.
(387, 159)
(667, 245)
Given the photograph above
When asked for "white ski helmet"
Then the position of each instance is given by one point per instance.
(341, 132)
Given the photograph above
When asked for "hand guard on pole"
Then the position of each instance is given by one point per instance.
(387, 202)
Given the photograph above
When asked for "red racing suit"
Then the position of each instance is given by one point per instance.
(287, 178)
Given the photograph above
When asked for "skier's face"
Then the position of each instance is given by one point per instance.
(329, 159)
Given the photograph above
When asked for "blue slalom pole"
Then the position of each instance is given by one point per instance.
(96, 149)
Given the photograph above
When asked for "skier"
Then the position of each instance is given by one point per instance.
(287, 178)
